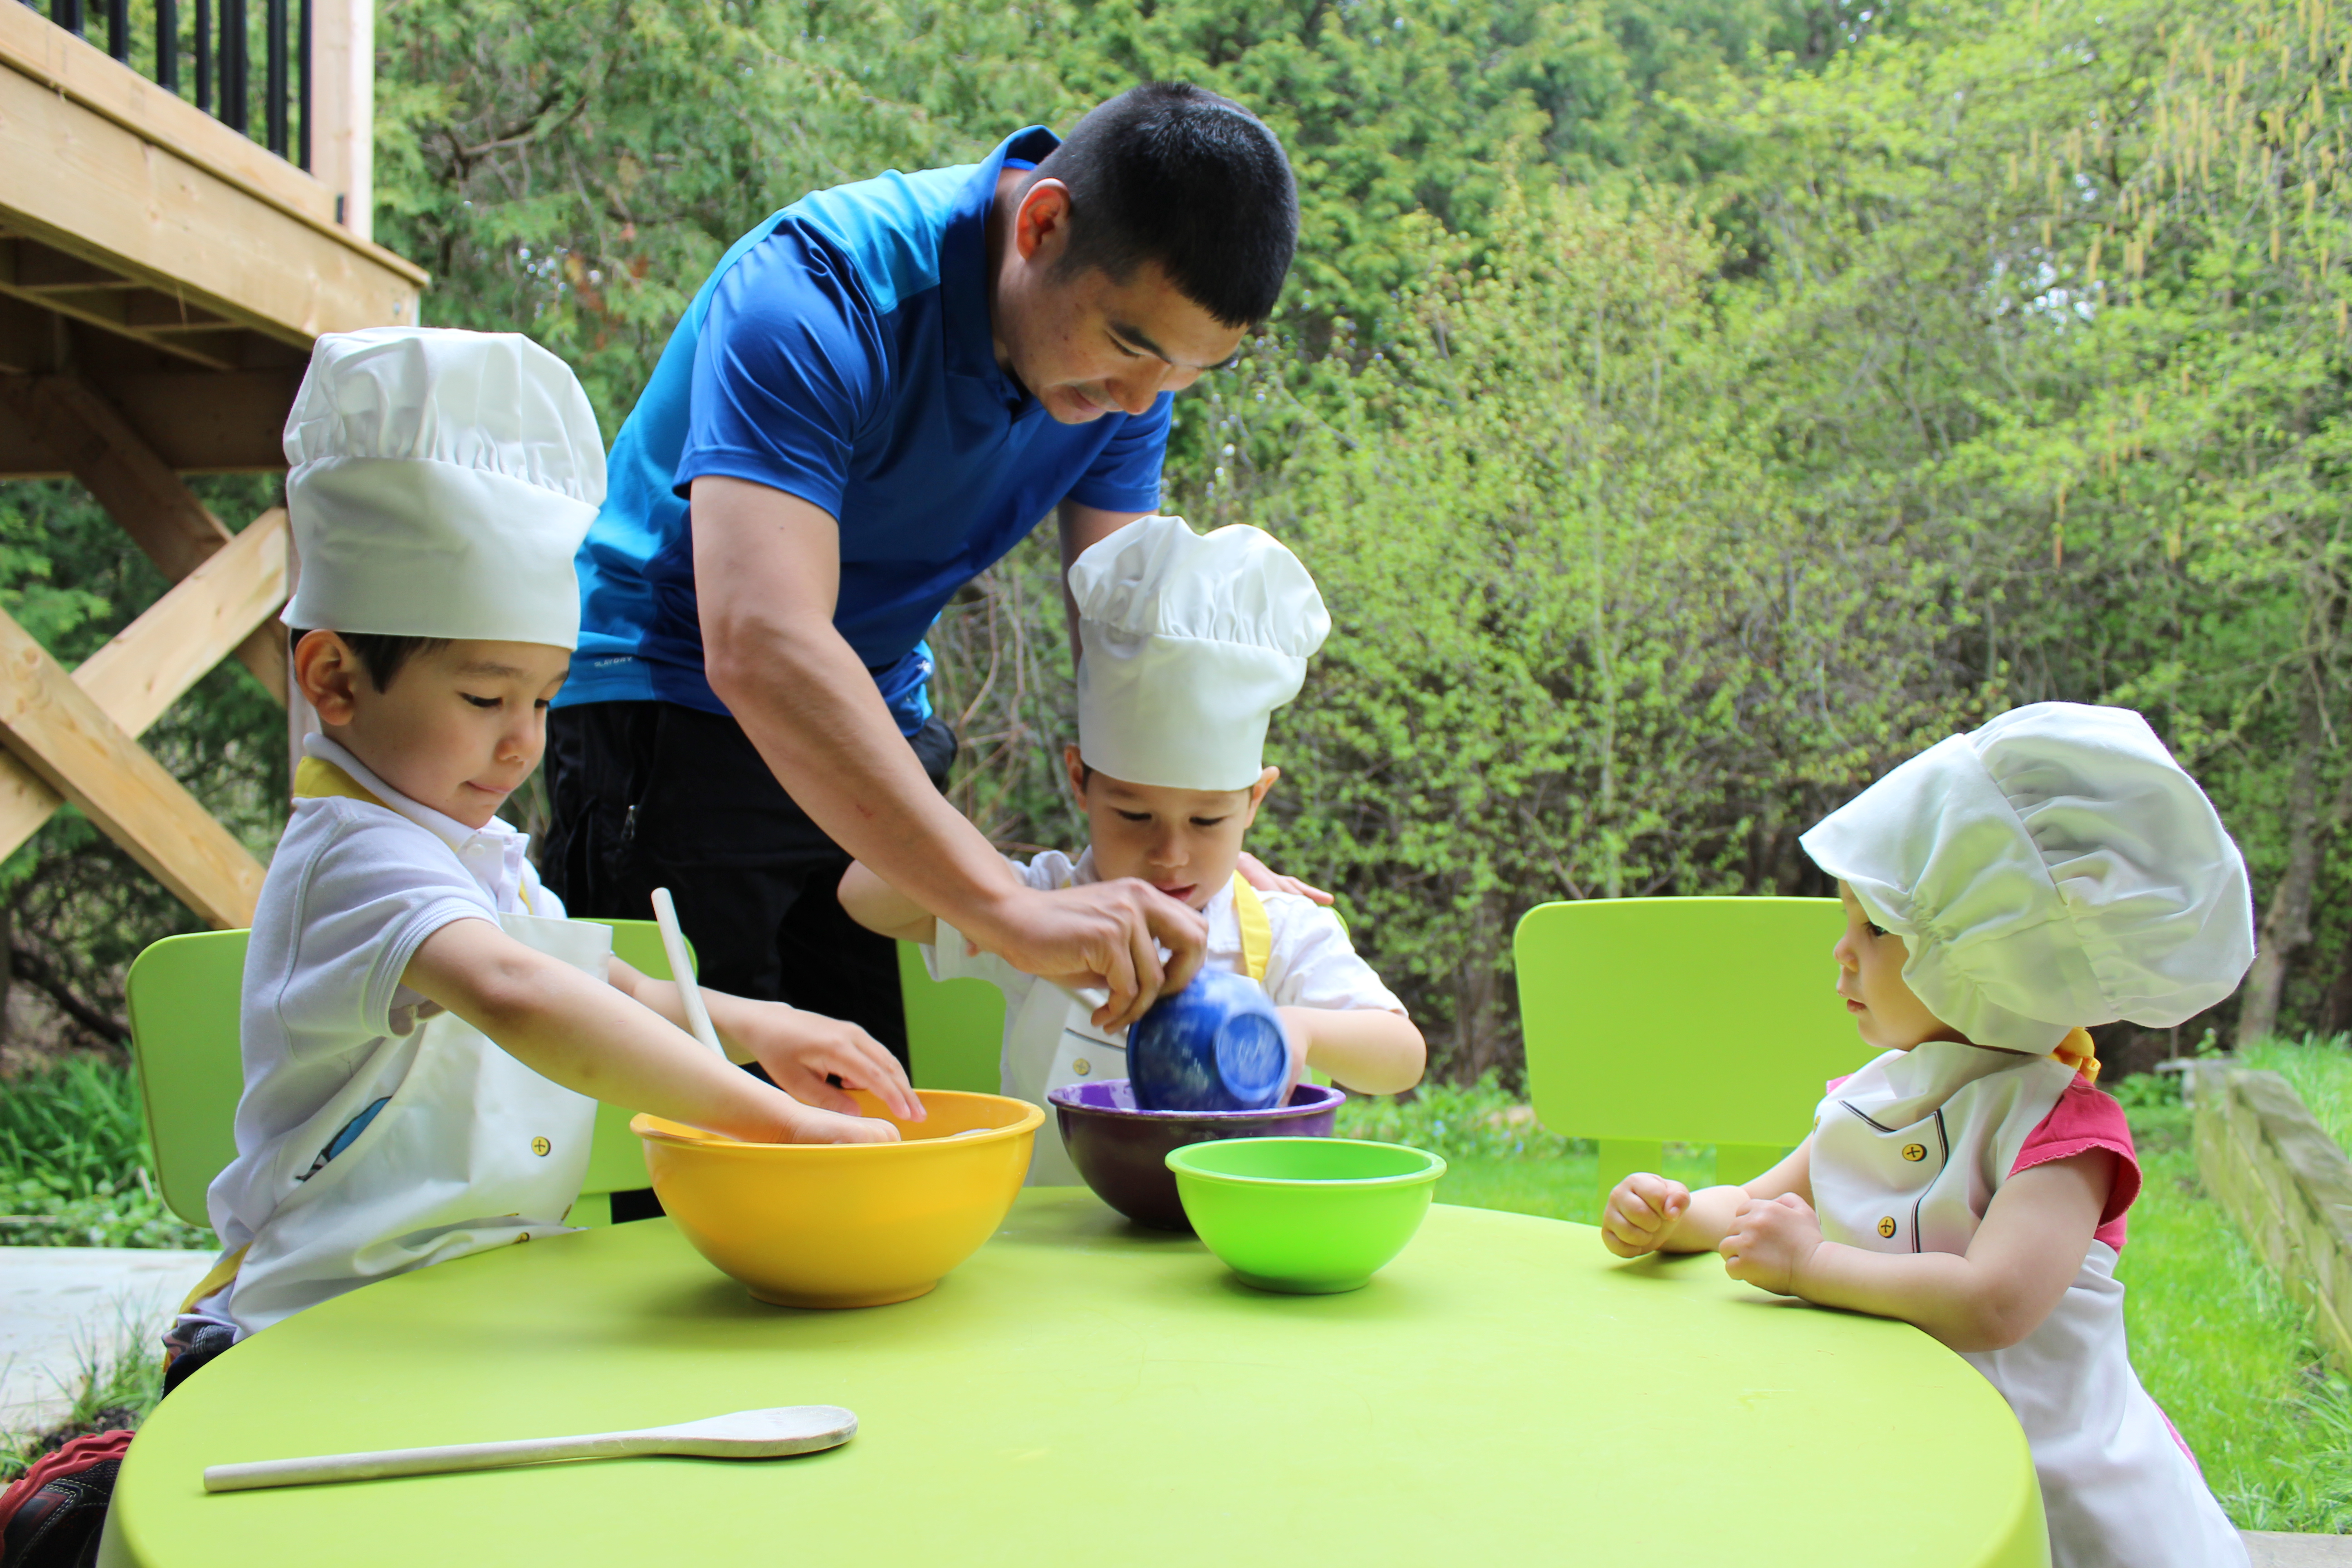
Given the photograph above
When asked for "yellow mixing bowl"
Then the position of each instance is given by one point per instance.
(846, 1224)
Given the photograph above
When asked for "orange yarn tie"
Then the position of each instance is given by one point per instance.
(2077, 1052)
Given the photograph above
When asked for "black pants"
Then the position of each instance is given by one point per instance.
(652, 795)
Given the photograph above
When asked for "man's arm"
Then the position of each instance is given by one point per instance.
(767, 569)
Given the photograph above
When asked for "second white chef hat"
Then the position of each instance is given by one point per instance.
(1191, 641)
(442, 481)
(2054, 869)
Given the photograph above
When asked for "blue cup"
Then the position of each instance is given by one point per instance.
(1217, 1045)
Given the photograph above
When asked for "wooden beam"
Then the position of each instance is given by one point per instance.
(169, 199)
(207, 616)
(153, 661)
(196, 422)
(178, 532)
(342, 147)
(58, 730)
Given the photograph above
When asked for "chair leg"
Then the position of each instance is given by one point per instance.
(1739, 1162)
(1619, 1158)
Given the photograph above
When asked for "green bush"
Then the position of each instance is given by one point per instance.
(75, 1169)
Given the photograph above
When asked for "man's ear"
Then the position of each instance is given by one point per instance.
(1043, 223)
(329, 671)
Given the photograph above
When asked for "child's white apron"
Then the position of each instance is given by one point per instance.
(472, 1151)
(1907, 1155)
(1084, 1054)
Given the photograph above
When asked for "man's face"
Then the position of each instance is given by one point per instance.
(1084, 342)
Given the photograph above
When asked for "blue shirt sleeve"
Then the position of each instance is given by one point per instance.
(1125, 476)
(791, 364)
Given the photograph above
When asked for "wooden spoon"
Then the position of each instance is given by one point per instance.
(746, 1435)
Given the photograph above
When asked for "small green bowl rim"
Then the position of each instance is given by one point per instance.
(1434, 1168)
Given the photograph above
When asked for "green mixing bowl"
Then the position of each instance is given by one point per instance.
(1307, 1215)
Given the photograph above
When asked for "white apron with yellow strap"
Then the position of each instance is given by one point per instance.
(1085, 1054)
(1908, 1153)
(471, 1149)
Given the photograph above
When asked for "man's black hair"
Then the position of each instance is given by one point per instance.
(1171, 173)
(381, 653)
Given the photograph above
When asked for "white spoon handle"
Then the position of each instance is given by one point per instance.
(681, 967)
(419, 1461)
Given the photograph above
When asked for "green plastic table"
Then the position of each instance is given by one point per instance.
(1084, 1392)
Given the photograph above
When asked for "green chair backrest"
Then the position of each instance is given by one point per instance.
(955, 1028)
(1697, 1020)
(183, 997)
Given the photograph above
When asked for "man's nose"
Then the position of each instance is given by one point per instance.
(1136, 393)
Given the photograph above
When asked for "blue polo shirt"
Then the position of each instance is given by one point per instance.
(841, 351)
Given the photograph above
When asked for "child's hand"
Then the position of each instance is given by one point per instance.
(1640, 1212)
(801, 1050)
(807, 1125)
(1770, 1241)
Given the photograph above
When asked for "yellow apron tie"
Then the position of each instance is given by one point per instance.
(1258, 935)
(223, 1273)
(316, 778)
(2077, 1052)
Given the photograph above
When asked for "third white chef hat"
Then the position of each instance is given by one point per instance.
(2054, 869)
(442, 481)
(1191, 641)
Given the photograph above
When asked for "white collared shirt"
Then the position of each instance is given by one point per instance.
(353, 891)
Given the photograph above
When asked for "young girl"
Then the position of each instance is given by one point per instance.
(2054, 869)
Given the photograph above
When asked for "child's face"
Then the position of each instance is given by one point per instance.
(1870, 978)
(1184, 842)
(461, 727)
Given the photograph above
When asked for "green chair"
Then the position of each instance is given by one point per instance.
(955, 1028)
(1698, 1020)
(183, 994)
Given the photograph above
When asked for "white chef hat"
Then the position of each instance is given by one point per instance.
(2054, 868)
(1191, 642)
(442, 481)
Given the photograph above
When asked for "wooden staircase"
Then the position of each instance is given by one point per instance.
(162, 278)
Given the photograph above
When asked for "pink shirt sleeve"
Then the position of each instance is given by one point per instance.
(2082, 1120)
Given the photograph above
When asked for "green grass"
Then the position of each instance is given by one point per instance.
(115, 1385)
(2320, 1068)
(2221, 1348)
(74, 1165)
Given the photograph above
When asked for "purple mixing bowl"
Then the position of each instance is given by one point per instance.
(1122, 1152)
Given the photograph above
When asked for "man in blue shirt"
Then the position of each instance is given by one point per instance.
(878, 392)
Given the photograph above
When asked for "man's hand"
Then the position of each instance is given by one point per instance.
(1104, 935)
(1254, 873)
(801, 1051)
(1640, 1214)
(1770, 1241)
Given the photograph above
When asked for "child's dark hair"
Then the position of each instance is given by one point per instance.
(381, 653)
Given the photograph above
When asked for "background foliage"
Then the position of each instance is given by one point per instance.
(1689, 408)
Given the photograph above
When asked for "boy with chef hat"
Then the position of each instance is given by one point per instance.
(2055, 868)
(1189, 642)
(423, 1029)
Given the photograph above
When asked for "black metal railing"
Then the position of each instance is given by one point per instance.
(221, 50)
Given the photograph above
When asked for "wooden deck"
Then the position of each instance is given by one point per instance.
(161, 280)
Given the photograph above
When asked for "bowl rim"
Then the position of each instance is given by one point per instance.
(1266, 1113)
(1432, 1169)
(1033, 1117)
